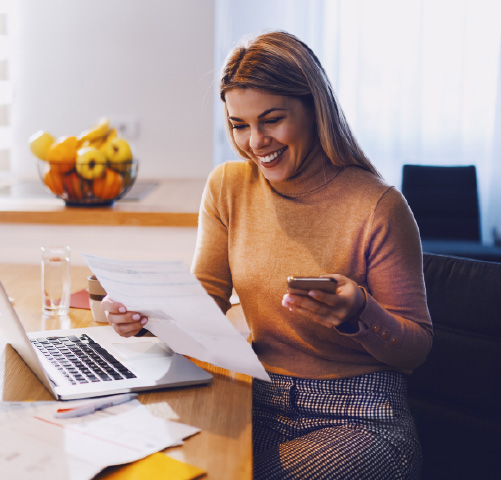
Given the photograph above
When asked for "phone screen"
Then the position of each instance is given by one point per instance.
(325, 284)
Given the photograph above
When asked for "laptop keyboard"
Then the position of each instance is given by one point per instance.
(82, 360)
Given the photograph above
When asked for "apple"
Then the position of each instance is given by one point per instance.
(40, 142)
(118, 153)
(90, 163)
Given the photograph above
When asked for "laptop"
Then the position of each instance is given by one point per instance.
(96, 361)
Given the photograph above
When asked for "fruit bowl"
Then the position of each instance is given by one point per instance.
(100, 185)
(94, 169)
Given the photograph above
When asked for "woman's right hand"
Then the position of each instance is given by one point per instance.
(126, 324)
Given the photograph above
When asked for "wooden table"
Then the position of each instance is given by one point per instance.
(222, 410)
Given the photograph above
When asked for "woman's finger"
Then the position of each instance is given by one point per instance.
(124, 323)
(109, 305)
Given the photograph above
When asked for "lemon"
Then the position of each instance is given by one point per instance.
(40, 143)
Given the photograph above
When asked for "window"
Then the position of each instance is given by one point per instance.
(417, 80)
(5, 91)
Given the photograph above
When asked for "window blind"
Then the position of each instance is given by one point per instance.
(5, 92)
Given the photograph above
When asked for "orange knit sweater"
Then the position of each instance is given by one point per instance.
(253, 234)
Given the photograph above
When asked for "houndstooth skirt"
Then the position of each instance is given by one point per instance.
(350, 428)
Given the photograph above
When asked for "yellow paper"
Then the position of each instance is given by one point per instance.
(156, 466)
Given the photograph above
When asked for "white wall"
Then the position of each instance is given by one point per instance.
(21, 243)
(76, 61)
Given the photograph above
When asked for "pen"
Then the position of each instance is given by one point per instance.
(98, 404)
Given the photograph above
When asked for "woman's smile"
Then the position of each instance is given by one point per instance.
(270, 160)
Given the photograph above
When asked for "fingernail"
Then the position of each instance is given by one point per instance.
(136, 316)
(144, 321)
(122, 309)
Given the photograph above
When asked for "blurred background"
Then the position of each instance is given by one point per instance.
(419, 80)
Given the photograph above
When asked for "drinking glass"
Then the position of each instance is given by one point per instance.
(56, 280)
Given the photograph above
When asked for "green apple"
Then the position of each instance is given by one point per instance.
(40, 143)
(118, 153)
(90, 163)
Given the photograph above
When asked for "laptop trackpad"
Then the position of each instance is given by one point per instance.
(142, 350)
(155, 361)
(145, 358)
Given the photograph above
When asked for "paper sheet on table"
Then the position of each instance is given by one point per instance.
(180, 311)
(36, 446)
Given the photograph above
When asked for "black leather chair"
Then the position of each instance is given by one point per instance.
(455, 396)
(444, 201)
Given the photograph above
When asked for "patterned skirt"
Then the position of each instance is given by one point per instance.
(350, 428)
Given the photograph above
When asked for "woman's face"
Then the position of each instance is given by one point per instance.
(277, 132)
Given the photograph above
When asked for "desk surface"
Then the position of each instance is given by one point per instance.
(222, 410)
(171, 203)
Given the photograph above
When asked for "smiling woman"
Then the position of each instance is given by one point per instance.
(308, 202)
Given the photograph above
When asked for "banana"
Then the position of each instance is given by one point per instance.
(111, 134)
(99, 130)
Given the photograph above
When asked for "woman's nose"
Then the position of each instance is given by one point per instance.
(258, 140)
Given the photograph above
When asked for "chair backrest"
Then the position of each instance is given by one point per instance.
(444, 201)
(454, 396)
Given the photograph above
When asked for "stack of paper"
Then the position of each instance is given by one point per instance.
(35, 445)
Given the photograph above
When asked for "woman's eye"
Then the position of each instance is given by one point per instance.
(271, 121)
(239, 127)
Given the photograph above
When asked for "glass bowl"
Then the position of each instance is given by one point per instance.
(100, 184)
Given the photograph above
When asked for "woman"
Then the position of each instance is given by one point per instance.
(308, 202)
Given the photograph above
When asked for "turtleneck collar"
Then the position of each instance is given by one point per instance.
(315, 171)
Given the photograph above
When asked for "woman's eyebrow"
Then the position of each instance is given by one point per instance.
(261, 115)
(266, 112)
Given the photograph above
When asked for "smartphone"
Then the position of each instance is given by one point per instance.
(325, 284)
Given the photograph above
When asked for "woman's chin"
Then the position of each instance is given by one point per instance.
(272, 171)
(275, 175)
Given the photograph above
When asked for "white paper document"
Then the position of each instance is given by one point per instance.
(34, 445)
(179, 311)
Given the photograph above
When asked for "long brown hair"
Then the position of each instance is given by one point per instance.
(281, 64)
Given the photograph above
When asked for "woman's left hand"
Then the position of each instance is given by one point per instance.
(330, 310)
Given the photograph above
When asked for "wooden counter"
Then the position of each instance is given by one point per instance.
(222, 410)
(170, 203)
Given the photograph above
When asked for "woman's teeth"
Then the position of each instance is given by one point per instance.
(273, 156)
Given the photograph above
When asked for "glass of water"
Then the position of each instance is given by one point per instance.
(56, 280)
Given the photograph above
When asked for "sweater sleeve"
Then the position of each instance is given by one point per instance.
(395, 325)
(210, 261)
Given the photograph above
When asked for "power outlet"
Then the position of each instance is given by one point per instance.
(127, 126)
